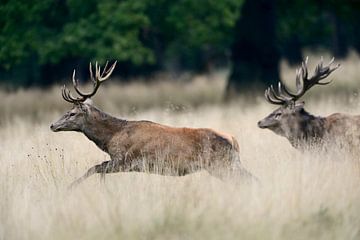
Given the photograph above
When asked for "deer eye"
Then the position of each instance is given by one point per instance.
(277, 115)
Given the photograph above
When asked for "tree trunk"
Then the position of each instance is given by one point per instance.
(291, 51)
(255, 55)
(339, 44)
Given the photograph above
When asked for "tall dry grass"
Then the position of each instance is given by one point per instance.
(313, 195)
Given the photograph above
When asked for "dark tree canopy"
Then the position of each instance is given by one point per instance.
(41, 41)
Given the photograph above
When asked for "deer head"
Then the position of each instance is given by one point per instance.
(289, 119)
(82, 110)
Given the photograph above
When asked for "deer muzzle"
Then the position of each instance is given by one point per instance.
(261, 124)
(53, 128)
(56, 127)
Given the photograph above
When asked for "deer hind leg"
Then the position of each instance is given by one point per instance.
(230, 173)
(103, 168)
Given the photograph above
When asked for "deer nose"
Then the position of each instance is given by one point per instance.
(52, 127)
(260, 125)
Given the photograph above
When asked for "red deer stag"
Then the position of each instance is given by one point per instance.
(131, 143)
(302, 129)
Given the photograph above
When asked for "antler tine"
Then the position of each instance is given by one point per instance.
(97, 79)
(273, 93)
(304, 69)
(301, 76)
(108, 72)
(270, 99)
(273, 97)
(104, 68)
(284, 91)
(320, 73)
(303, 83)
(63, 89)
(323, 72)
(279, 95)
(76, 83)
(68, 97)
(298, 79)
(97, 71)
(92, 74)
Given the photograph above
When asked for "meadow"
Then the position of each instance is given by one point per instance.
(301, 195)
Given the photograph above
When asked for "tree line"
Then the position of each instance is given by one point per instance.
(41, 41)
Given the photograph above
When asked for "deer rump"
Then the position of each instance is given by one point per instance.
(151, 147)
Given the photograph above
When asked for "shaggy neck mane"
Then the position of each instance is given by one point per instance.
(310, 131)
(100, 127)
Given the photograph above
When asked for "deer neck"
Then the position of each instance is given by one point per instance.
(310, 130)
(100, 128)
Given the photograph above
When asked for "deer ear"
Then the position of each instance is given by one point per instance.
(299, 106)
(88, 102)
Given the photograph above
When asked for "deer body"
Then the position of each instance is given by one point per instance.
(303, 129)
(145, 145)
(182, 146)
(343, 129)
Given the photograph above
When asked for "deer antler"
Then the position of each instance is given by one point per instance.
(284, 96)
(99, 77)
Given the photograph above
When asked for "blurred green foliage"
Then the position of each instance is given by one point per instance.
(330, 24)
(40, 39)
(136, 32)
(55, 30)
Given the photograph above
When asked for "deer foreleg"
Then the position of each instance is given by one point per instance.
(103, 168)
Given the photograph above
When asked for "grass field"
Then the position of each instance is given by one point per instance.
(301, 196)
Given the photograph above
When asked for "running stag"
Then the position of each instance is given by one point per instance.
(144, 145)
